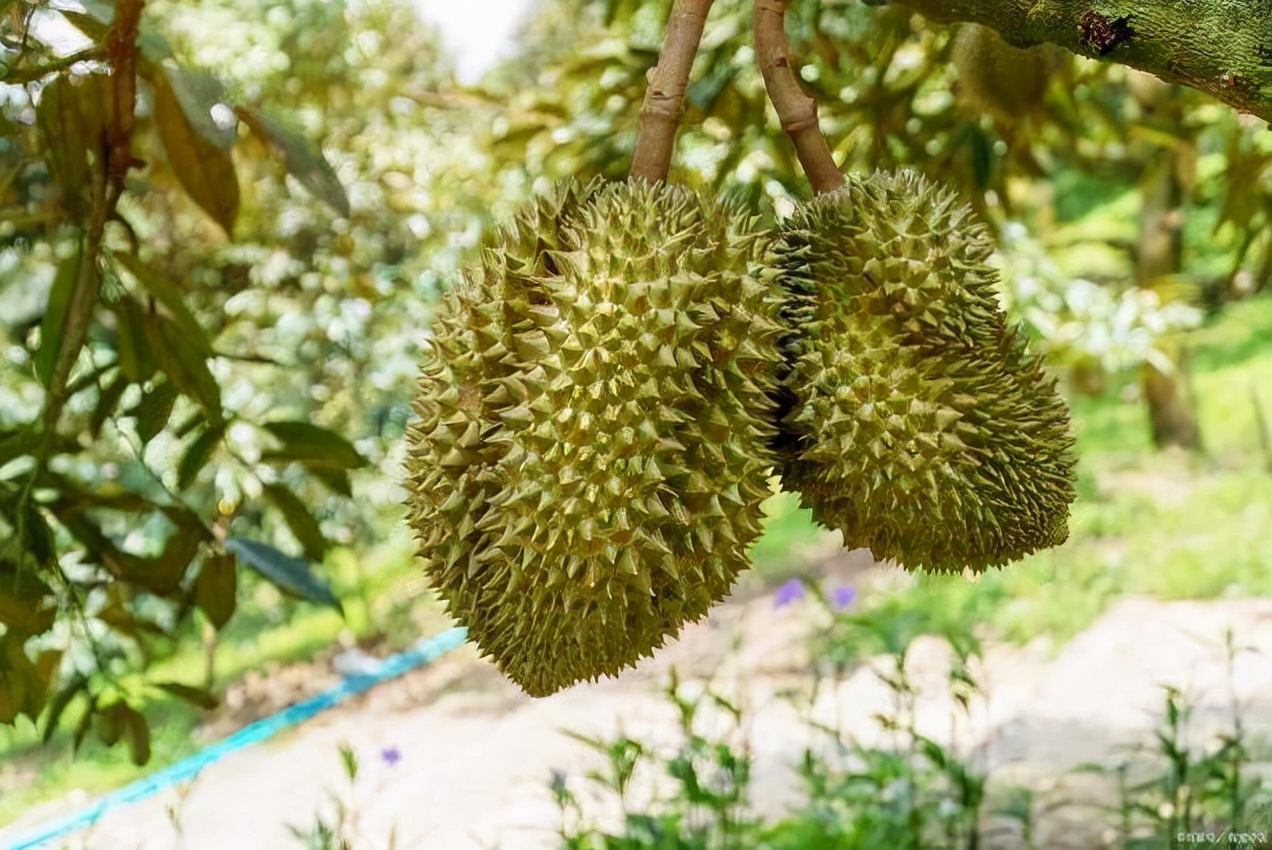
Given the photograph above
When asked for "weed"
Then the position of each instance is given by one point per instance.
(918, 792)
(338, 828)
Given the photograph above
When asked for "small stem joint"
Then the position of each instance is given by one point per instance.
(661, 103)
(796, 111)
(665, 96)
(794, 125)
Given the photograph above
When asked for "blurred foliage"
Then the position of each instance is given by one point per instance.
(210, 320)
(222, 225)
(1091, 331)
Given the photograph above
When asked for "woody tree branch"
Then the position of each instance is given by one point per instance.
(1221, 47)
(665, 97)
(795, 109)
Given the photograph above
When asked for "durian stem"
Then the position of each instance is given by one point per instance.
(795, 109)
(665, 97)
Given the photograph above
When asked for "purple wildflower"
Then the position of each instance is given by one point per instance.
(843, 597)
(791, 591)
(391, 755)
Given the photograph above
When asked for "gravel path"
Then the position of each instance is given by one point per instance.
(476, 754)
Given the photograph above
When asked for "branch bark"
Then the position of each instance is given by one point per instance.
(665, 97)
(795, 109)
(1221, 47)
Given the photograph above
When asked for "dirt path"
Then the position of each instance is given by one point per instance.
(476, 754)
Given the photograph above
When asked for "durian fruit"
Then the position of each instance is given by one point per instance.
(916, 423)
(595, 416)
(995, 77)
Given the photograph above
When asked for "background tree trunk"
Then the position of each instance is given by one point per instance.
(1159, 259)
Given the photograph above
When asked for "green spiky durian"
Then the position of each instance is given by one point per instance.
(917, 425)
(594, 426)
(995, 77)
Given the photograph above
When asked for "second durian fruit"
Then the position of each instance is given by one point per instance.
(595, 420)
(918, 425)
(1010, 83)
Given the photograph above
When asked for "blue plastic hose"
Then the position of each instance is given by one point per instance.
(423, 652)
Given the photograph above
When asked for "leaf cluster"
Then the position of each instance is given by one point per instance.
(140, 474)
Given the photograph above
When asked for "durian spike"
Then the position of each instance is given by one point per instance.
(665, 96)
(795, 109)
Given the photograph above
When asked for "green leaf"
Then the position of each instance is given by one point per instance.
(154, 410)
(107, 401)
(291, 575)
(15, 444)
(301, 158)
(19, 679)
(109, 724)
(136, 359)
(336, 480)
(27, 605)
(47, 664)
(184, 364)
(216, 587)
(171, 564)
(58, 704)
(51, 336)
(24, 684)
(306, 442)
(204, 168)
(37, 537)
(301, 522)
(198, 93)
(197, 456)
(172, 298)
(93, 25)
(704, 91)
(134, 729)
(197, 697)
(85, 723)
(70, 120)
(349, 757)
(186, 426)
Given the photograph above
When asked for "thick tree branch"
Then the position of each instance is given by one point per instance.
(1221, 47)
(665, 96)
(795, 109)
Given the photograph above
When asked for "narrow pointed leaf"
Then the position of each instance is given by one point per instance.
(198, 455)
(302, 523)
(185, 364)
(301, 158)
(306, 442)
(171, 297)
(289, 574)
(216, 588)
(197, 697)
(52, 328)
(154, 410)
(205, 169)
